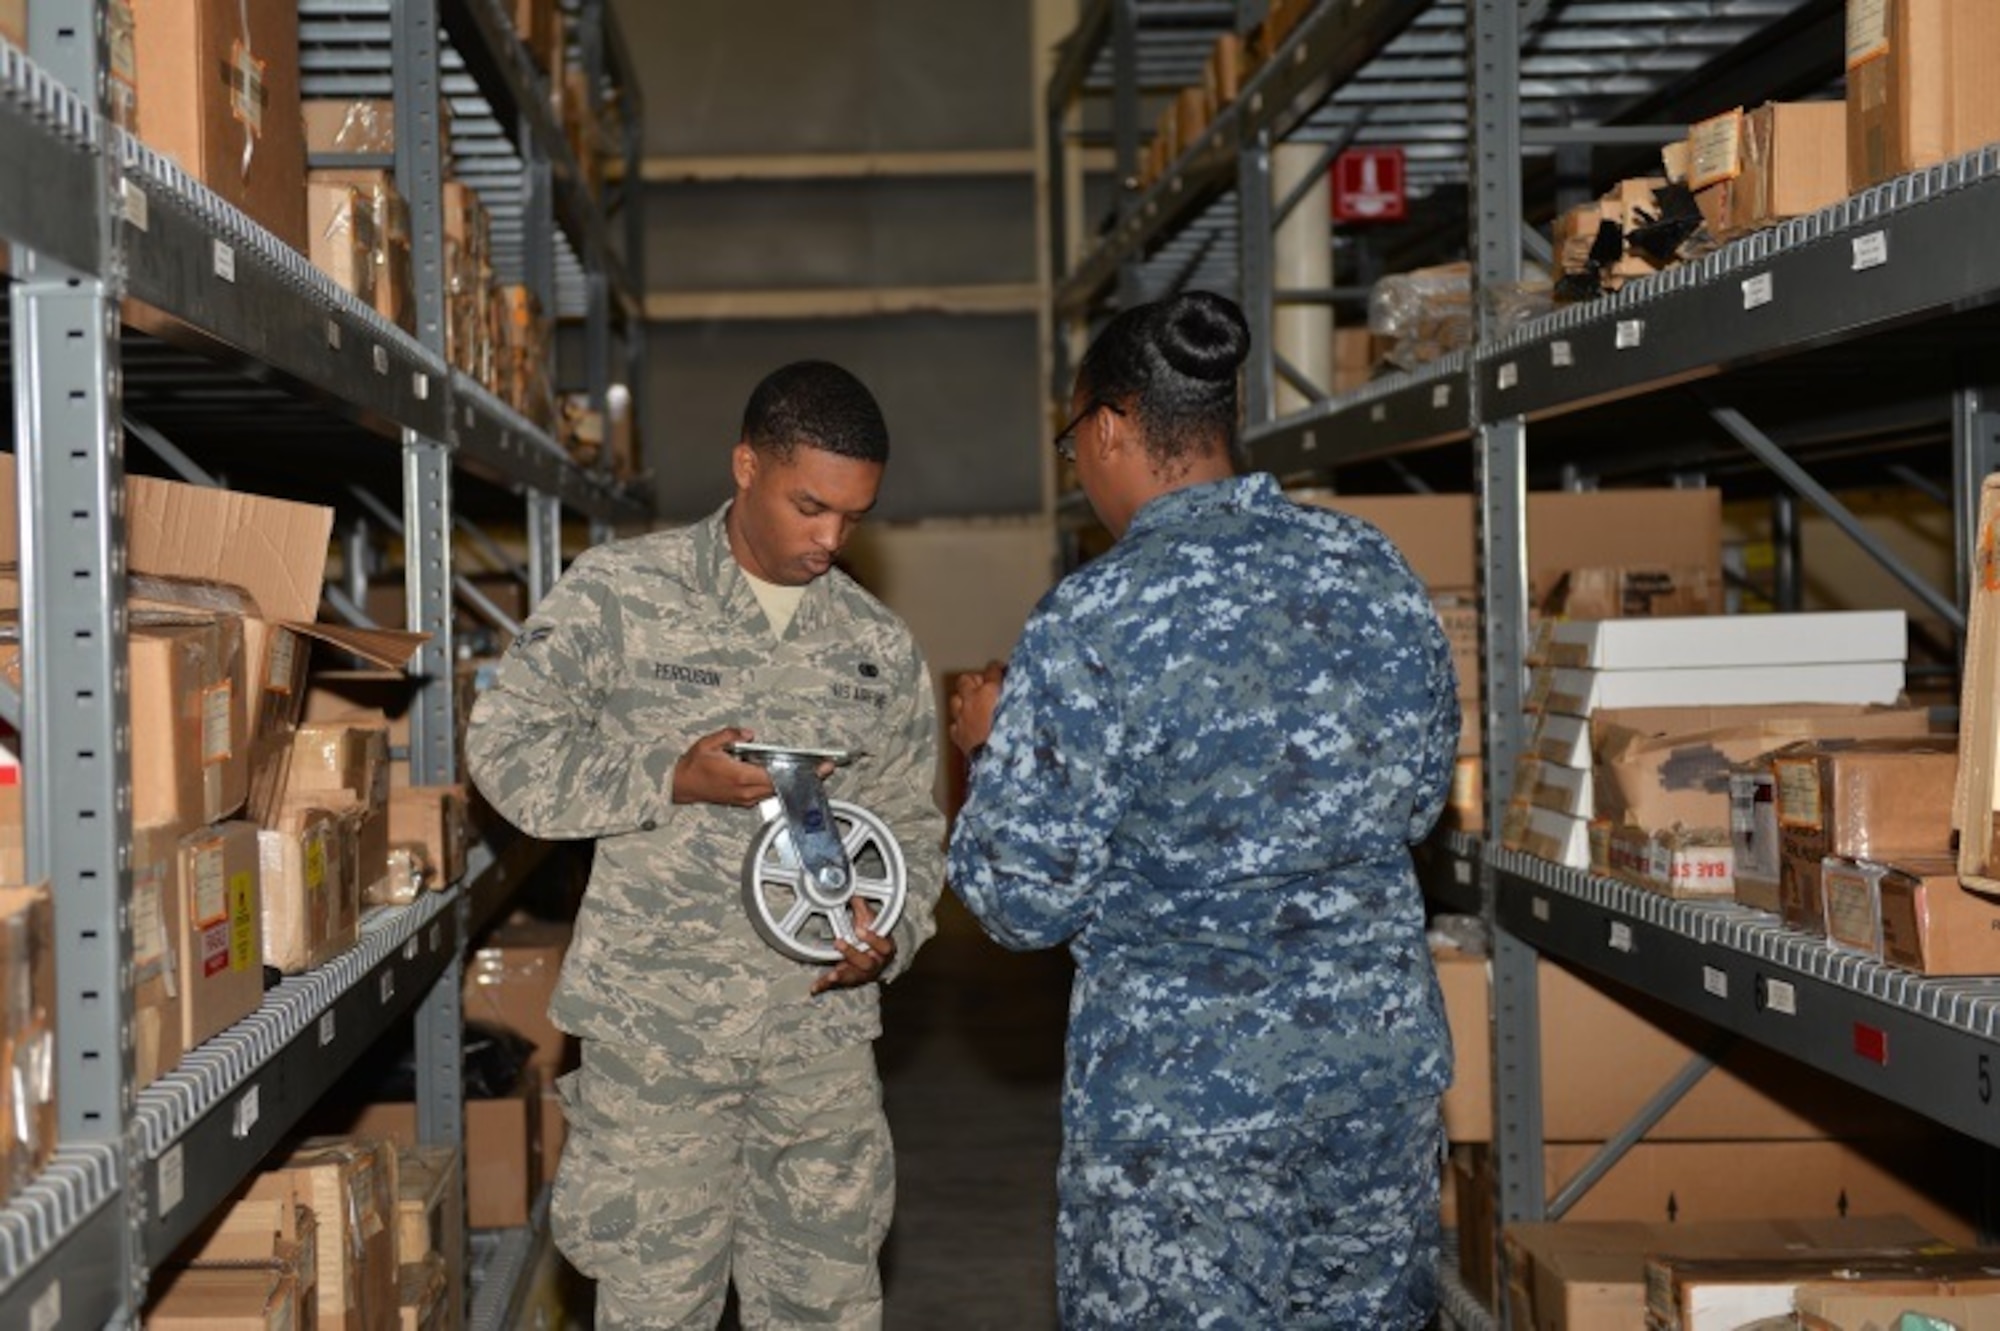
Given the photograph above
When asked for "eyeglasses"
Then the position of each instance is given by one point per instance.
(1066, 437)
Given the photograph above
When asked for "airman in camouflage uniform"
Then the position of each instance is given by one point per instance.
(726, 1122)
(1208, 758)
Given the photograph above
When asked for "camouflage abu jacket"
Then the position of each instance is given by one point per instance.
(1213, 751)
(643, 647)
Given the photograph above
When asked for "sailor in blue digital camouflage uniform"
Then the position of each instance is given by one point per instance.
(1210, 755)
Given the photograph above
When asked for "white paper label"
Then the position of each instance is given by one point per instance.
(1631, 332)
(172, 1179)
(137, 208)
(149, 927)
(1539, 908)
(1621, 936)
(1780, 996)
(381, 359)
(216, 745)
(1441, 397)
(1561, 355)
(411, 949)
(1461, 872)
(1715, 981)
(46, 1315)
(388, 985)
(326, 1029)
(248, 1109)
(437, 936)
(211, 889)
(333, 334)
(1871, 251)
(225, 262)
(1378, 412)
(1507, 376)
(1757, 291)
(420, 384)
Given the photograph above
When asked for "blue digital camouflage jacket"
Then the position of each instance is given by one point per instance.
(1214, 749)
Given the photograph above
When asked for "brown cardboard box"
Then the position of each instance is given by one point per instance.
(1591, 1277)
(1353, 358)
(1920, 86)
(430, 1218)
(27, 1038)
(190, 729)
(539, 25)
(222, 974)
(350, 1186)
(269, 1233)
(424, 1296)
(1658, 766)
(390, 215)
(14, 22)
(1870, 800)
(226, 1299)
(340, 232)
(349, 125)
(1756, 851)
(311, 908)
(334, 757)
(1599, 592)
(1728, 1293)
(159, 952)
(1607, 1049)
(509, 982)
(1965, 1304)
(219, 86)
(1683, 863)
(431, 819)
(502, 1148)
(1932, 924)
(1794, 162)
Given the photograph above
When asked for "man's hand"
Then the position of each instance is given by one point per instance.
(707, 774)
(859, 965)
(973, 699)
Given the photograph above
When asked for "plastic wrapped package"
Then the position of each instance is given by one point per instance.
(340, 224)
(363, 126)
(27, 985)
(1423, 315)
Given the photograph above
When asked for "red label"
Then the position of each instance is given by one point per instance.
(1368, 186)
(215, 950)
(1872, 1043)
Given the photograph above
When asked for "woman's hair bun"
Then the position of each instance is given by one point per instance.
(1203, 335)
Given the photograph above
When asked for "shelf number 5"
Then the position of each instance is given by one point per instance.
(1986, 1079)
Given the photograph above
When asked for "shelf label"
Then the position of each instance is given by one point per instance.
(246, 1113)
(1507, 376)
(420, 384)
(326, 1028)
(1561, 355)
(411, 948)
(1378, 412)
(388, 985)
(1539, 908)
(437, 936)
(225, 261)
(1872, 1043)
(1780, 996)
(381, 358)
(1621, 936)
(1757, 291)
(1440, 397)
(1461, 872)
(137, 209)
(1871, 251)
(46, 1315)
(1715, 981)
(1630, 333)
(1309, 443)
(171, 1180)
(333, 334)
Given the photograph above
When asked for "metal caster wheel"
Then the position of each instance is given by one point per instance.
(801, 911)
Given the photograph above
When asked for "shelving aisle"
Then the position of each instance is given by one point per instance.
(1893, 284)
(263, 344)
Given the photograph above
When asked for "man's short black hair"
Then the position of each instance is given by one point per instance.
(816, 404)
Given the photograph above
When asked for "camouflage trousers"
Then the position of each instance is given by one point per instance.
(1330, 1224)
(677, 1180)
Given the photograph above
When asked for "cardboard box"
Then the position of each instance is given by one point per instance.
(1607, 1049)
(1654, 592)
(350, 1186)
(1592, 1277)
(424, 1296)
(1687, 864)
(27, 1037)
(1756, 851)
(1706, 641)
(1967, 1305)
(538, 23)
(432, 820)
(1976, 801)
(1920, 87)
(219, 84)
(190, 729)
(430, 1220)
(1861, 799)
(340, 232)
(311, 906)
(1727, 1293)
(159, 952)
(267, 1233)
(226, 1299)
(334, 758)
(1794, 162)
(1586, 692)
(1932, 924)
(1549, 835)
(1553, 786)
(509, 981)
(1852, 904)
(1656, 767)
(222, 980)
(349, 125)
(503, 1139)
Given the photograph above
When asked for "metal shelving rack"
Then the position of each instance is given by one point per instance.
(1855, 280)
(260, 330)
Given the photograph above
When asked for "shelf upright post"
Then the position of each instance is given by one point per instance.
(76, 735)
(427, 527)
(597, 282)
(1125, 130)
(1975, 455)
(1255, 268)
(1494, 57)
(1056, 183)
(544, 544)
(632, 124)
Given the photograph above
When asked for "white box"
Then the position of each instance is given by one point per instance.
(1563, 789)
(1558, 837)
(1561, 739)
(1578, 692)
(1699, 641)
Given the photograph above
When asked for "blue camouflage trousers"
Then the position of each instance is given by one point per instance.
(1328, 1224)
(680, 1178)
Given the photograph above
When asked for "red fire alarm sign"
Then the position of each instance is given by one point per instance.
(1368, 185)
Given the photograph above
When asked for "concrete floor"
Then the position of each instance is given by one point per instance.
(971, 1060)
